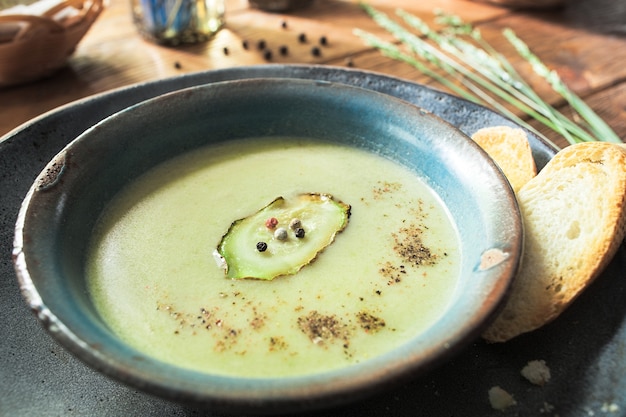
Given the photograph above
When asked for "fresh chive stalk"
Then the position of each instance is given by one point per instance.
(460, 59)
(594, 122)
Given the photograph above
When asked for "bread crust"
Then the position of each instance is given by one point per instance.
(574, 215)
(510, 149)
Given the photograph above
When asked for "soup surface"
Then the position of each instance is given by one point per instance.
(387, 277)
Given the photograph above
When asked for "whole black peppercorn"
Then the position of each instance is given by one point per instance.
(299, 233)
(261, 246)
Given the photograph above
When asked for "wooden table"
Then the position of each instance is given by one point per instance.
(583, 41)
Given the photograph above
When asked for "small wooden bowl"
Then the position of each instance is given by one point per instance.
(34, 47)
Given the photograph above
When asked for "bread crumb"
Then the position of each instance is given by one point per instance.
(547, 408)
(537, 372)
(610, 408)
(500, 399)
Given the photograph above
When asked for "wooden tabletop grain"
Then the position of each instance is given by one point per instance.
(585, 41)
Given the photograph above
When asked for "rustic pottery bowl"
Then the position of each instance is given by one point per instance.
(63, 205)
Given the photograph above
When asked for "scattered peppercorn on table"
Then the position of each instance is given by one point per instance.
(584, 41)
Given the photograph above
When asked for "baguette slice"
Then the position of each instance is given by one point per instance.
(510, 149)
(575, 220)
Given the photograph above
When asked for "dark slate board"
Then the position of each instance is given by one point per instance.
(585, 347)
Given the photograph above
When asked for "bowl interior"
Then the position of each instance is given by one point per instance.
(62, 207)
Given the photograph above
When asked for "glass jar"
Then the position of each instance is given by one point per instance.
(175, 22)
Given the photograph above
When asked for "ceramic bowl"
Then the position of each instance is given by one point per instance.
(63, 205)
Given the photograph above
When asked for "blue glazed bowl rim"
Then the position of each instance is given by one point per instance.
(174, 383)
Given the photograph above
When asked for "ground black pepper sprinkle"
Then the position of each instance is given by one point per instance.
(283, 24)
(369, 322)
(315, 51)
(302, 38)
(284, 50)
(177, 65)
(385, 188)
(258, 319)
(229, 338)
(392, 273)
(267, 55)
(225, 50)
(322, 329)
(323, 41)
(411, 248)
(245, 44)
(261, 44)
(278, 343)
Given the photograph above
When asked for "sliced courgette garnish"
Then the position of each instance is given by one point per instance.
(257, 246)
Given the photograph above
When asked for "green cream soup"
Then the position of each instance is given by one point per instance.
(386, 277)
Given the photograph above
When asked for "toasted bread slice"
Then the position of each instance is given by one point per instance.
(575, 220)
(510, 149)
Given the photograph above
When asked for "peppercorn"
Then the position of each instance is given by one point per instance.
(295, 224)
(281, 233)
(261, 246)
(315, 51)
(267, 55)
(271, 222)
(302, 38)
(284, 50)
(323, 41)
(299, 233)
(225, 50)
(261, 44)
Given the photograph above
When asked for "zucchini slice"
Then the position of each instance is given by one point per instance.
(257, 246)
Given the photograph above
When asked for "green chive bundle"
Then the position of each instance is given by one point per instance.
(459, 59)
